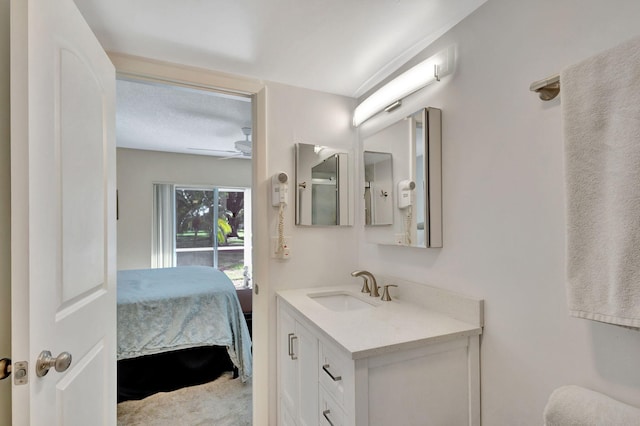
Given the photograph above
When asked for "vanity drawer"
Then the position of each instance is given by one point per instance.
(335, 372)
(330, 413)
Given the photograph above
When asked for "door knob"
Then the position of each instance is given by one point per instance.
(5, 368)
(46, 361)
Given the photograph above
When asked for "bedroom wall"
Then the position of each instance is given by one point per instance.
(504, 203)
(137, 170)
(5, 212)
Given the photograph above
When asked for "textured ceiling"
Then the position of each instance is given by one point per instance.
(337, 46)
(177, 119)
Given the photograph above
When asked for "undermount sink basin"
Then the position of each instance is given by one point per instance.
(340, 301)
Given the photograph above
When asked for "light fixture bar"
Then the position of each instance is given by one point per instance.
(393, 106)
(388, 97)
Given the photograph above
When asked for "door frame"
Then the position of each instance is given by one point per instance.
(158, 71)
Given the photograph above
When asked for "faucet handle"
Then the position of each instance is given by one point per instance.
(385, 294)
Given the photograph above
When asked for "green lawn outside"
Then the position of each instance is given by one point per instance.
(203, 239)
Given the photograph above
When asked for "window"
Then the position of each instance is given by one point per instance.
(210, 230)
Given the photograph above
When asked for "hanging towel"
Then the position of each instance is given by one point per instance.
(601, 118)
(576, 406)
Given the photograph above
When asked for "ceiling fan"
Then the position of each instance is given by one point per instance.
(242, 147)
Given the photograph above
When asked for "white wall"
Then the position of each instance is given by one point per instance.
(319, 255)
(5, 212)
(504, 203)
(138, 170)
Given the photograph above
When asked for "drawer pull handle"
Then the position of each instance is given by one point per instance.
(326, 413)
(292, 337)
(326, 370)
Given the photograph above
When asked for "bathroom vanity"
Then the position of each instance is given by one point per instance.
(345, 358)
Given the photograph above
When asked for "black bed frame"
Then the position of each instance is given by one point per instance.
(168, 371)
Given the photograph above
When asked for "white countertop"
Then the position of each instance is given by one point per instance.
(384, 328)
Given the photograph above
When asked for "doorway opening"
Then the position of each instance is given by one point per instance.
(184, 168)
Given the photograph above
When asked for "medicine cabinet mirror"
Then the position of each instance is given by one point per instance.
(403, 199)
(322, 186)
(378, 188)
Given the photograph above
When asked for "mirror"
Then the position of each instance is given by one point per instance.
(378, 188)
(322, 186)
(413, 153)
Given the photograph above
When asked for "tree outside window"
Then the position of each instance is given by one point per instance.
(210, 229)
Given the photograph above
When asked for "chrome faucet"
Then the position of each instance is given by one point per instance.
(367, 276)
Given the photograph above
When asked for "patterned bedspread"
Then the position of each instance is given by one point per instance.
(166, 309)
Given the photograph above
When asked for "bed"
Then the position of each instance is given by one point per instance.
(176, 325)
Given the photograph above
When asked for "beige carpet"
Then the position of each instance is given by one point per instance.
(223, 402)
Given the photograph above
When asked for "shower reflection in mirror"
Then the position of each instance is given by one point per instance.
(322, 186)
(378, 188)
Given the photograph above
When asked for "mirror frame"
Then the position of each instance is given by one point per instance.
(432, 163)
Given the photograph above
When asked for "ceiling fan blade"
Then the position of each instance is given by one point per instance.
(227, 151)
(238, 155)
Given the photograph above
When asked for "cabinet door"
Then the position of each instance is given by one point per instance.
(287, 367)
(297, 371)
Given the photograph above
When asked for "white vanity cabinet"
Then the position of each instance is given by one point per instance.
(325, 378)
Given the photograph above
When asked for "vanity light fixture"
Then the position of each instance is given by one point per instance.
(389, 97)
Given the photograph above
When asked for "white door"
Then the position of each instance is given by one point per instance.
(63, 214)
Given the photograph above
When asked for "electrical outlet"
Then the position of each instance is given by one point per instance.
(285, 252)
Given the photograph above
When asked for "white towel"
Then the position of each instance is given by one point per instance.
(601, 115)
(576, 406)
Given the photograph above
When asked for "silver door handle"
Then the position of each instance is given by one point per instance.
(45, 361)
